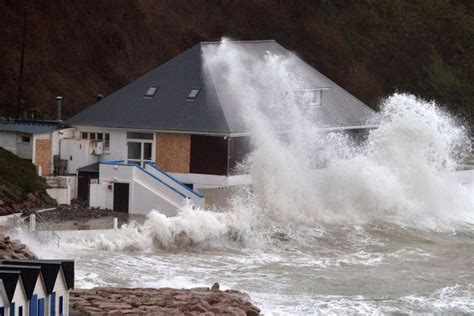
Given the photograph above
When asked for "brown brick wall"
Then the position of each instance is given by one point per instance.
(173, 152)
(43, 155)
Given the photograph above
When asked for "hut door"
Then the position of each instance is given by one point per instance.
(121, 197)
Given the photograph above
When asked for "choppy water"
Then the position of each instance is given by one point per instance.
(364, 269)
(383, 228)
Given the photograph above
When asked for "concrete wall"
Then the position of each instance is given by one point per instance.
(173, 152)
(194, 196)
(146, 192)
(207, 181)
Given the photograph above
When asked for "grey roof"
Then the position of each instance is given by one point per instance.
(90, 168)
(30, 127)
(213, 111)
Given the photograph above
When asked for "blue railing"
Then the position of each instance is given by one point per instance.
(174, 179)
(131, 164)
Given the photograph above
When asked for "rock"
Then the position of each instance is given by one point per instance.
(198, 308)
(215, 287)
(165, 301)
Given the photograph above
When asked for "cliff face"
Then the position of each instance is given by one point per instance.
(78, 49)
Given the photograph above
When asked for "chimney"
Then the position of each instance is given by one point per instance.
(99, 97)
(59, 100)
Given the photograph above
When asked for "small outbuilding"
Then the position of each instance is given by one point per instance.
(17, 300)
(47, 285)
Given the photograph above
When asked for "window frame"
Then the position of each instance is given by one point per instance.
(193, 94)
(151, 91)
(98, 136)
(22, 141)
(142, 141)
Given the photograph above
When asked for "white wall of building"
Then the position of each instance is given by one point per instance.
(19, 298)
(60, 288)
(118, 142)
(8, 141)
(23, 149)
(146, 192)
(196, 199)
(78, 152)
(207, 181)
(40, 291)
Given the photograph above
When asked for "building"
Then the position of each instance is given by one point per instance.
(160, 140)
(33, 284)
(17, 301)
(36, 141)
(42, 286)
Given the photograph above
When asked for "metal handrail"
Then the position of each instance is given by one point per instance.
(41, 222)
(44, 234)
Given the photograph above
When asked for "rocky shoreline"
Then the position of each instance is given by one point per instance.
(164, 301)
(14, 249)
(144, 301)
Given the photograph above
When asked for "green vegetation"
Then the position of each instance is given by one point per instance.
(19, 181)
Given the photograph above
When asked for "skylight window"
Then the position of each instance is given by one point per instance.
(151, 91)
(314, 96)
(193, 94)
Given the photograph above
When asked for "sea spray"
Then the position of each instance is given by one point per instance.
(305, 175)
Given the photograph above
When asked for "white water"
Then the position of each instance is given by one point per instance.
(383, 228)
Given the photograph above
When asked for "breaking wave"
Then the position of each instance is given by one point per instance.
(403, 173)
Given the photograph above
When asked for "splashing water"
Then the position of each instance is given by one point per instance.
(379, 229)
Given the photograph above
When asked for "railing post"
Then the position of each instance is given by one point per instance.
(32, 222)
(115, 223)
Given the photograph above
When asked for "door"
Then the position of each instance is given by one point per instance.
(121, 197)
(34, 305)
(52, 309)
(83, 184)
(41, 307)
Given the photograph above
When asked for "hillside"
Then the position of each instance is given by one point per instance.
(20, 186)
(372, 48)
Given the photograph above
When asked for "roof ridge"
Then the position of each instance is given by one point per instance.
(239, 41)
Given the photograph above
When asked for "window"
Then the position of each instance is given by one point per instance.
(314, 96)
(2, 311)
(20, 311)
(139, 147)
(134, 135)
(134, 150)
(105, 137)
(151, 91)
(25, 139)
(12, 309)
(193, 94)
(107, 141)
